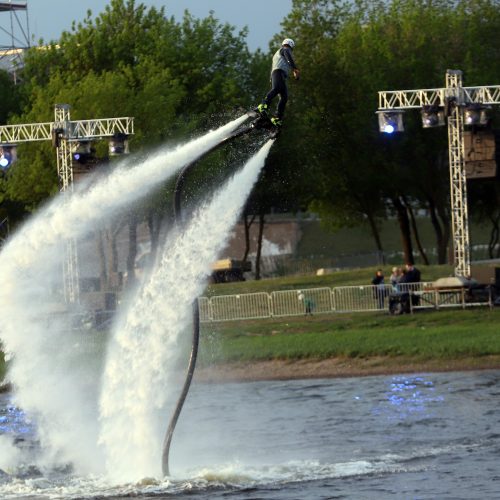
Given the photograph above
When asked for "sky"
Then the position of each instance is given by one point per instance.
(47, 19)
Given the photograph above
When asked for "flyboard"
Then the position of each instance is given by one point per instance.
(258, 122)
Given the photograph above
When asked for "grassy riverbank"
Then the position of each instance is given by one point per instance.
(335, 345)
(450, 339)
(343, 344)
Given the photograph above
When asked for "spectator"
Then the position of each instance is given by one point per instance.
(309, 305)
(379, 292)
(308, 302)
(412, 275)
(395, 278)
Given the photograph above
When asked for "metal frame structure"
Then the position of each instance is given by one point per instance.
(65, 135)
(453, 97)
(13, 8)
(16, 36)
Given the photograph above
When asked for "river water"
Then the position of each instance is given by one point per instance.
(406, 437)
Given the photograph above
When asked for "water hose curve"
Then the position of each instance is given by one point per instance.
(196, 312)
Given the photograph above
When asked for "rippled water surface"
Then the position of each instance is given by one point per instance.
(415, 436)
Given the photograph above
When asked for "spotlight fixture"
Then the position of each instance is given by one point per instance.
(390, 121)
(432, 116)
(8, 155)
(83, 151)
(118, 144)
(475, 114)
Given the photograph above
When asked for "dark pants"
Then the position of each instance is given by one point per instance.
(278, 82)
(399, 303)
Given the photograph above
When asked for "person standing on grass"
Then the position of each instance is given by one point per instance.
(395, 278)
(379, 292)
(412, 275)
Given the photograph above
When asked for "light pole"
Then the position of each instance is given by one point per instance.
(458, 104)
(65, 135)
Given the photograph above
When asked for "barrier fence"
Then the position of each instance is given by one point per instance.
(346, 299)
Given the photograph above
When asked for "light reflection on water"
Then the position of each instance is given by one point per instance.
(412, 397)
(13, 420)
(373, 437)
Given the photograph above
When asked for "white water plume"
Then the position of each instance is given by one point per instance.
(55, 370)
(76, 214)
(138, 379)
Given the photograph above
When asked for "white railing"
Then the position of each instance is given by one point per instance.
(345, 299)
(244, 306)
(299, 302)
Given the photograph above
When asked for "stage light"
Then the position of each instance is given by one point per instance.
(8, 155)
(432, 116)
(83, 151)
(390, 122)
(475, 114)
(118, 145)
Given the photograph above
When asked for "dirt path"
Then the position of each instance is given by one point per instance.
(336, 367)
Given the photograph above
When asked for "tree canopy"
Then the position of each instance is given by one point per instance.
(177, 77)
(349, 52)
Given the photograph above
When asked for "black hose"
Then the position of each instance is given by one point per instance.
(196, 313)
(196, 334)
(185, 389)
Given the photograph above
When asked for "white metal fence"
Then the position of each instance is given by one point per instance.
(346, 299)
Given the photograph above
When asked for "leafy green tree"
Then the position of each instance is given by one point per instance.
(130, 60)
(484, 196)
(350, 52)
(10, 97)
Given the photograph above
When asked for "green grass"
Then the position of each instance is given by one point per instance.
(449, 334)
(437, 335)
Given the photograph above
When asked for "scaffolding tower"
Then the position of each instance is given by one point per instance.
(14, 35)
(65, 134)
(456, 98)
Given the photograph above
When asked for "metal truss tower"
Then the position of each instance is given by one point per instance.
(65, 135)
(454, 97)
(71, 275)
(458, 180)
(14, 34)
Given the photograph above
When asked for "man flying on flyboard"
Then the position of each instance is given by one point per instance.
(283, 63)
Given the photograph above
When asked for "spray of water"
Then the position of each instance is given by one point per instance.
(67, 218)
(137, 377)
(56, 372)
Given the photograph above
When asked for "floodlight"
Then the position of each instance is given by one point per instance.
(118, 144)
(475, 114)
(83, 151)
(432, 116)
(390, 121)
(8, 155)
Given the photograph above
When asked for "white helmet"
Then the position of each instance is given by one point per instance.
(288, 41)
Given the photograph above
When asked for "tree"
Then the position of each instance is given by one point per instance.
(134, 61)
(130, 60)
(484, 196)
(10, 97)
(350, 52)
(274, 192)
